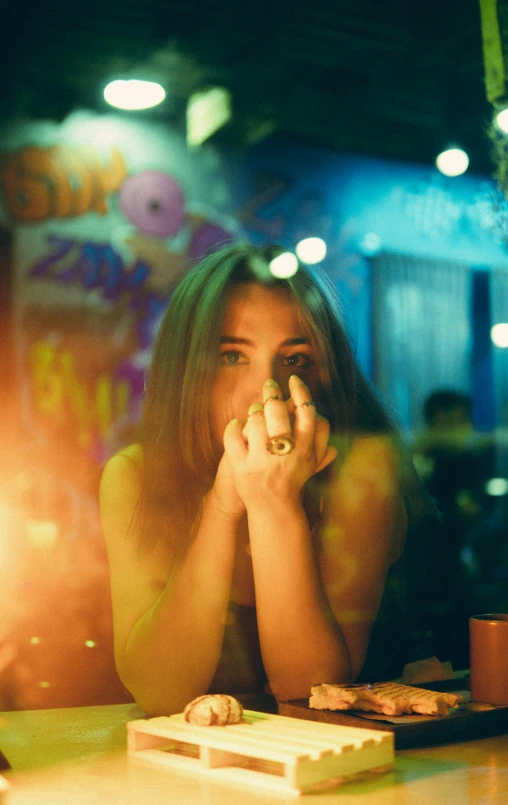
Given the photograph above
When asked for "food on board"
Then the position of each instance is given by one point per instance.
(390, 698)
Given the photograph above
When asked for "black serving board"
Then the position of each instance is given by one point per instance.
(461, 725)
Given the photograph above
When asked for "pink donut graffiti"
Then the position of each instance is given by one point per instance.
(153, 201)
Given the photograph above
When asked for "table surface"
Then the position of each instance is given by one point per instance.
(78, 755)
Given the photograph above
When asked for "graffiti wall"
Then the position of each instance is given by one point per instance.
(105, 216)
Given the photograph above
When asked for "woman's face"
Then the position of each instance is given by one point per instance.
(261, 338)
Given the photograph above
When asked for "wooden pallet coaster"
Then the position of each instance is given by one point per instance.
(277, 753)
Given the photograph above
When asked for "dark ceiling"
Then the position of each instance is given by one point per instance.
(396, 79)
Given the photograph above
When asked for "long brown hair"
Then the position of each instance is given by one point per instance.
(179, 461)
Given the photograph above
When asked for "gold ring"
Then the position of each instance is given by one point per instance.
(280, 445)
(306, 404)
(273, 397)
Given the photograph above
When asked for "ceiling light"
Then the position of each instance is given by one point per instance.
(496, 487)
(134, 94)
(283, 266)
(499, 335)
(452, 162)
(311, 250)
(502, 120)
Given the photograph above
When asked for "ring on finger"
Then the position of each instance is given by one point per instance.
(280, 445)
(273, 397)
(305, 404)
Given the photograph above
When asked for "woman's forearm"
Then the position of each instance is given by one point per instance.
(172, 652)
(301, 643)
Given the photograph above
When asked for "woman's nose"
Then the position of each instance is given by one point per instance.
(268, 370)
(280, 374)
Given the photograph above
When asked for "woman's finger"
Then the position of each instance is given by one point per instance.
(305, 414)
(275, 410)
(331, 455)
(322, 434)
(255, 408)
(256, 428)
(234, 442)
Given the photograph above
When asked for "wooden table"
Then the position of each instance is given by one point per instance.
(77, 756)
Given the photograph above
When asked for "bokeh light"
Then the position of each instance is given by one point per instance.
(502, 120)
(134, 94)
(370, 243)
(311, 250)
(497, 487)
(283, 266)
(499, 335)
(452, 162)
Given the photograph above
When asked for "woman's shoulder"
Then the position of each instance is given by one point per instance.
(366, 486)
(122, 471)
(133, 452)
(129, 456)
(371, 453)
(367, 470)
(382, 444)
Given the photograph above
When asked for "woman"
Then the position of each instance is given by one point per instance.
(239, 524)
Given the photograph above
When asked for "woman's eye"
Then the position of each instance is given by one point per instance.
(298, 359)
(231, 357)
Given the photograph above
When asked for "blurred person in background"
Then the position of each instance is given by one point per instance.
(455, 462)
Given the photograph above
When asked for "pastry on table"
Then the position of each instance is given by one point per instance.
(210, 710)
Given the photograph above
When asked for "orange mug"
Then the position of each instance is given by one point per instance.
(488, 652)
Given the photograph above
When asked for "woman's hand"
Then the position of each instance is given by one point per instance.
(223, 494)
(263, 473)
